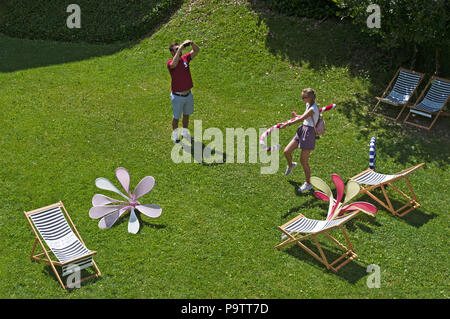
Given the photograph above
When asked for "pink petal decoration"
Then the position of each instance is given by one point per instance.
(144, 186)
(105, 184)
(340, 188)
(100, 211)
(124, 178)
(321, 196)
(110, 219)
(101, 200)
(150, 210)
(368, 207)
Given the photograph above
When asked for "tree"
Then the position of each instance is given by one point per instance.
(420, 23)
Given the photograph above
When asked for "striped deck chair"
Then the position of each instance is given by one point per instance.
(370, 180)
(64, 241)
(404, 88)
(301, 228)
(433, 103)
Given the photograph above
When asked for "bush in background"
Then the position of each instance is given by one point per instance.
(316, 9)
(101, 20)
(421, 25)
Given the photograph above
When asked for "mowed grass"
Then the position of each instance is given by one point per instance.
(68, 120)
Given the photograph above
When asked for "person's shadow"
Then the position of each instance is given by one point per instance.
(201, 153)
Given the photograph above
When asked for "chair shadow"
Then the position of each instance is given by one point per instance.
(198, 150)
(416, 218)
(352, 272)
(47, 270)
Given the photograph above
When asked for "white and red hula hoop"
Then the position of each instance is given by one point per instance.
(262, 139)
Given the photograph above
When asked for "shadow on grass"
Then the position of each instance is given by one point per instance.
(83, 274)
(416, 218)
(321, 45)
(352, 272)
(22, 54)
(142, 222)
(404, 143)
(324, 44)
(201, 153)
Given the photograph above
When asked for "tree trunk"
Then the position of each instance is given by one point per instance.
(437, 62)
(414, 57)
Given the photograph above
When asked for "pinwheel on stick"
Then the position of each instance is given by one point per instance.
(110, 209)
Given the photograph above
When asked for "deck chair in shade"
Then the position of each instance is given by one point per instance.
(369, 180)
(400, 94)
(437, 96)
(301, 228)
(51, 227)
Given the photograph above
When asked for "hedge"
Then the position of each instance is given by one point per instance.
(317, 9)
(101, 20)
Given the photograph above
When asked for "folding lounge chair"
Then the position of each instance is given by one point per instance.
(301, 228)
(433, 103)
(370, 180)
(404, 88)
(63, 240)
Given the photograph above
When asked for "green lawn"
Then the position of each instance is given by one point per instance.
(75, 112)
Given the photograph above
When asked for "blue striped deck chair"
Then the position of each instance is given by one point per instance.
(294, 232)
(433, 103)
(301, 228)
(405, 87)
(369, 180)
(50, 226)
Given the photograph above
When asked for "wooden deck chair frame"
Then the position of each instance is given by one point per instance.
(411, 203)
(430, 114)
(335, 265)
(47, 251)
(388, 90)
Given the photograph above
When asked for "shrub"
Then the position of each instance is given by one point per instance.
(304, 8)
(421, 24)
(101, 20)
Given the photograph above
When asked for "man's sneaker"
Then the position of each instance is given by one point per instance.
(175, 136)
(289, 169)
(185, 134)
(305, 187)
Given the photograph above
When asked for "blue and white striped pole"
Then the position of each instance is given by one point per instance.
(372, 153)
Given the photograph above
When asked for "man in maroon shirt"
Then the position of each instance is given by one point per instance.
(181, 95)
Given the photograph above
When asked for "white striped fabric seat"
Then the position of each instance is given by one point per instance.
(60, 238)
(306, 225)
(435, 97)
(404, 86)
(373, 178)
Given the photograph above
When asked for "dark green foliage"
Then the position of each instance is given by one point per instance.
(304, 8)
(420, 24)
(101, 20)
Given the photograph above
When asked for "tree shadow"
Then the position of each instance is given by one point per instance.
(404, 143)
(321, 45)
(22, 54)
(325, 43)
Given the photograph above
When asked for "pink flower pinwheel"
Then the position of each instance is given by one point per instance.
(110, 209)
(337, 208)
